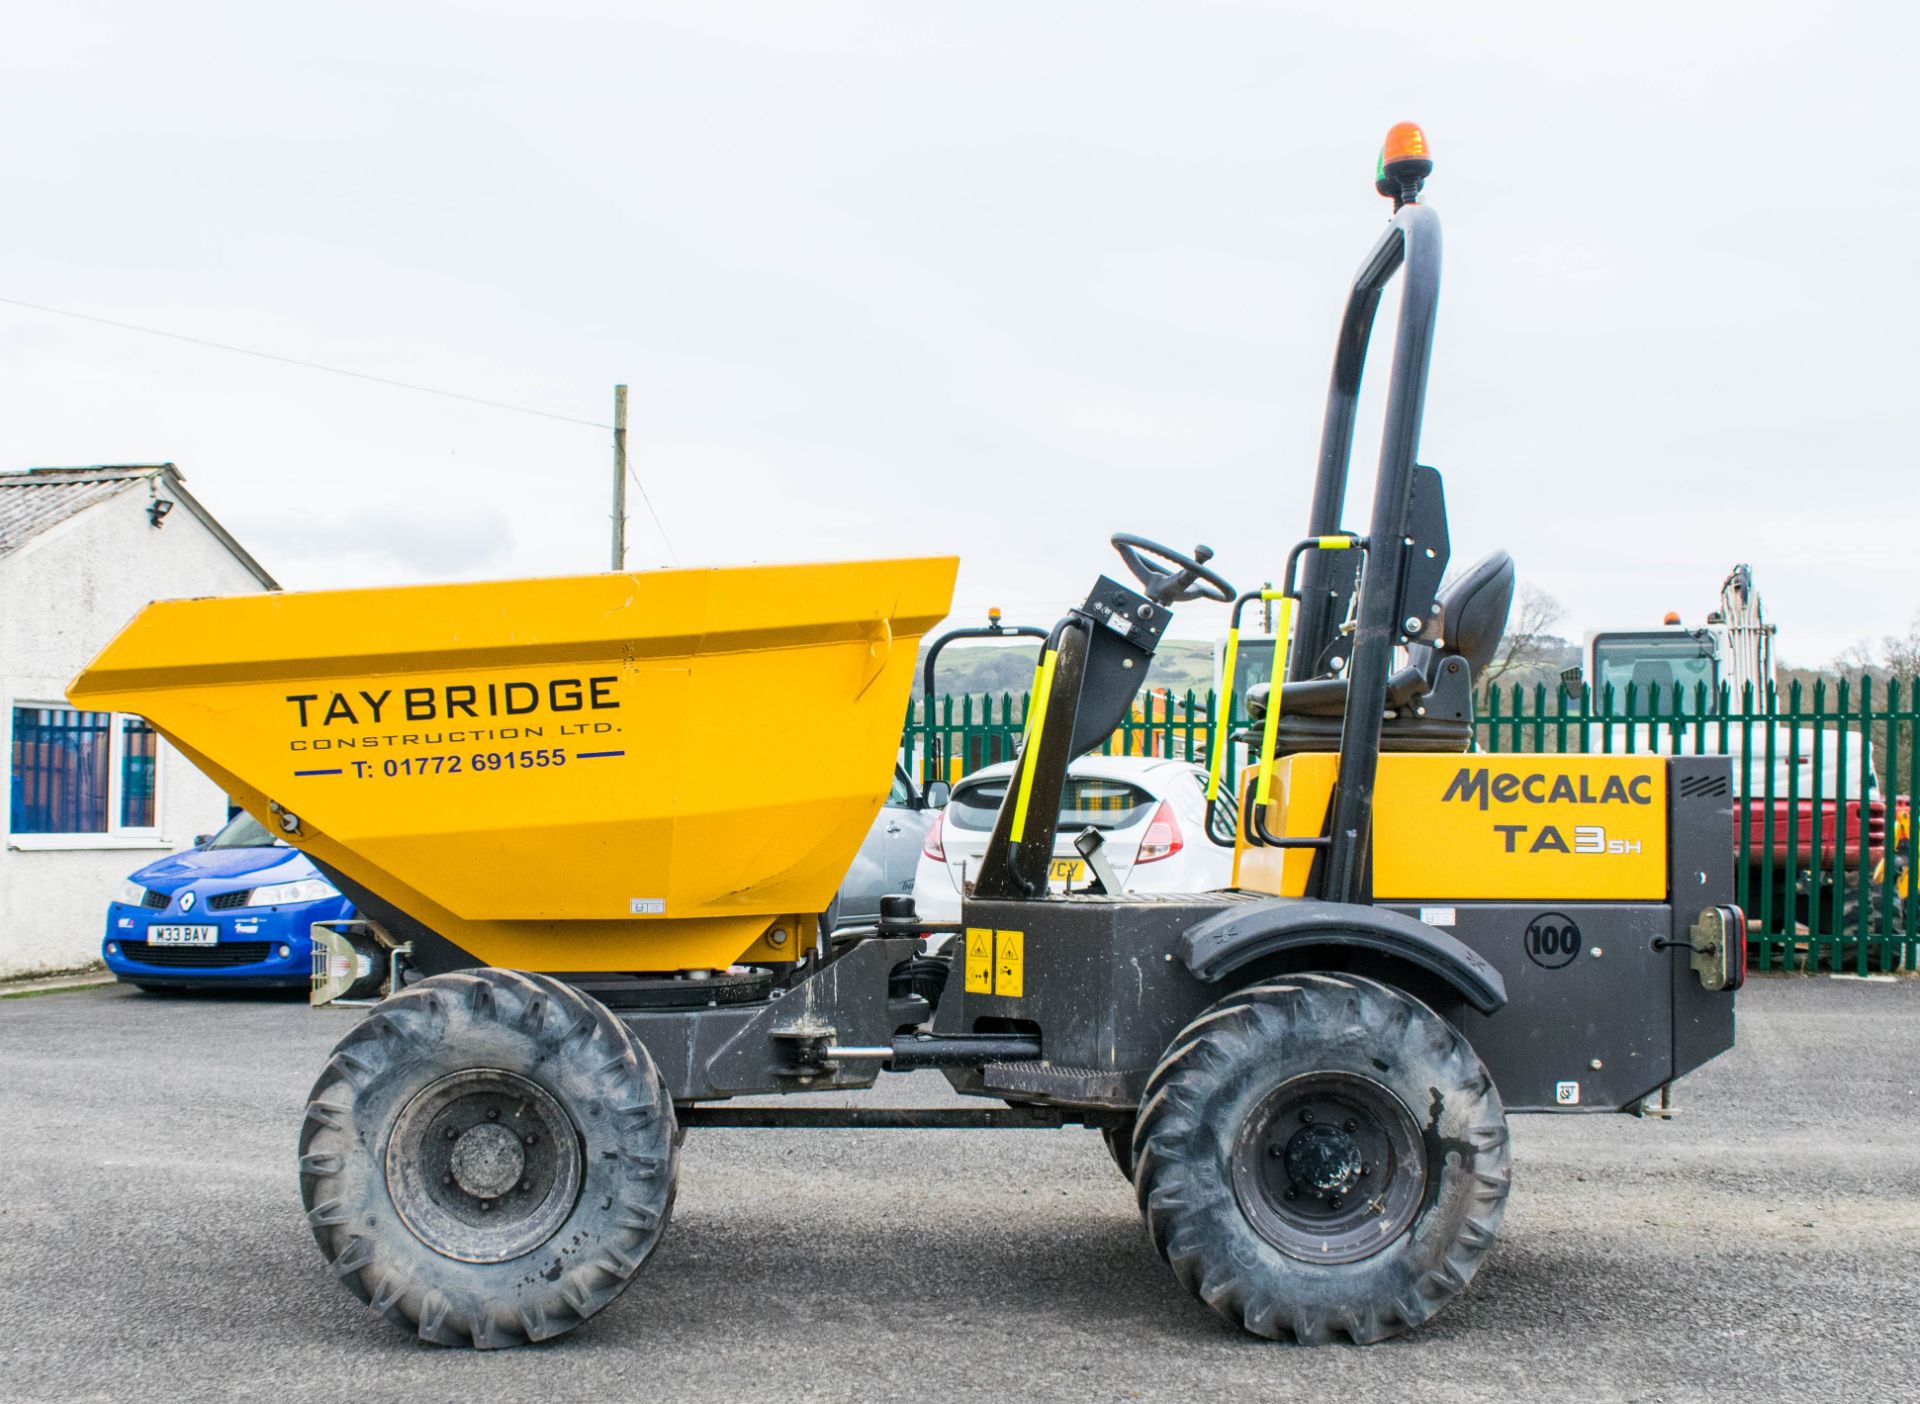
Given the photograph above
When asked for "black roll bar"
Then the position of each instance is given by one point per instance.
(934, 764)
(992, 630)
(1411, 245)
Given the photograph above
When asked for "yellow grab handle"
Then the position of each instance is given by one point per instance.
(1222, 704)
(1036, 724)
(1263, 793)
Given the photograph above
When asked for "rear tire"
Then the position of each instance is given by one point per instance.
(1119, 1139)
(488, 1158)
(1886, 953)
(1322, 1154)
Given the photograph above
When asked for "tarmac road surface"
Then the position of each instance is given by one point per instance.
(1765, 1245)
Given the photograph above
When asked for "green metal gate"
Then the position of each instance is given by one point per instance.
(1824, 842)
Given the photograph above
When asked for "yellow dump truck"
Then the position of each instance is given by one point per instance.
(590, 824)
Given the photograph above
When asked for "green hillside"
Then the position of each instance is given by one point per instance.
(1178, 664)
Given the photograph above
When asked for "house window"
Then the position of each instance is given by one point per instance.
(139, 773)
(78, 773)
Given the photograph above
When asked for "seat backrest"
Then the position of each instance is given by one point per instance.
(1652, 680)
(1473, 611)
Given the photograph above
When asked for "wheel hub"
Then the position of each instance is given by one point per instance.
(487, 1160)
(483, 1165)
(1323, 1158)
(1329, 1167)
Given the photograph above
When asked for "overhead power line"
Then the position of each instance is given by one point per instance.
(306, 365)
(659, 525)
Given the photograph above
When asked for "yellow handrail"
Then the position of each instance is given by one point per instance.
(1036, 725)
(1282, 637)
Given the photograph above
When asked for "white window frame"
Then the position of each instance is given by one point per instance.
(118, 835)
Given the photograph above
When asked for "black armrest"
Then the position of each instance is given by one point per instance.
(1327, 697)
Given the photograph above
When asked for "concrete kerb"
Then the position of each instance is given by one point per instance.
(83, 979)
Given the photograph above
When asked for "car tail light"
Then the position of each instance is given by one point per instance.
(1163, 838)
(934, 848)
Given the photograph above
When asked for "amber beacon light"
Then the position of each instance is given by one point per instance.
(1405, 163)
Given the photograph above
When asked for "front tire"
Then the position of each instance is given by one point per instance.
(488, 1158)
(1322, 1154)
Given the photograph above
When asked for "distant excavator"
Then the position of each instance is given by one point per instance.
(1816, 817)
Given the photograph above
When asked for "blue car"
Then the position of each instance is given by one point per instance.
(234, 911)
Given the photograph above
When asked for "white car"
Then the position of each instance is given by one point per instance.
(1151, 812)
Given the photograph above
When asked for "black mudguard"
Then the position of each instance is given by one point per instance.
(1240, 935)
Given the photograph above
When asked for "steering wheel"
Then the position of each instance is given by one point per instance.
(1190, 580)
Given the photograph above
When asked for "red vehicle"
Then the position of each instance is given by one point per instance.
(1810, 823)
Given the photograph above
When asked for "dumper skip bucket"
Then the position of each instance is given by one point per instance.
(647, 772)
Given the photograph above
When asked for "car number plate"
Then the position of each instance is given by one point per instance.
(183, 935)
(1067, 871)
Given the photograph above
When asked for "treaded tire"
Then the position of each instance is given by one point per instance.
(1233, 1060)
(1119, 1141)
(599, 1079)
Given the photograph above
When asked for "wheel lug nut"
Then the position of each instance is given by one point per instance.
(1276, 1151)
(531, 1139)
(526, 1185)
(451, 1133)
(493, 1113)
(1306, 1118)
(446, 1179)
(1292, 1193)
(1333, 1201)
(486, 1206)
(1366, 1169)
(1353, 1126)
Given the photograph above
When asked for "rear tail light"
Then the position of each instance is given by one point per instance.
(934, 848)
(1736, 947)
(1163, 838)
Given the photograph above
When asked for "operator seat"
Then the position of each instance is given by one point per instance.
(1430, 699)
(1652, 682)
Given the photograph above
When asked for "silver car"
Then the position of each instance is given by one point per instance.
(890, 853)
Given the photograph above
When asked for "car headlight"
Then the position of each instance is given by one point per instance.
(306, 890)
(130, 893)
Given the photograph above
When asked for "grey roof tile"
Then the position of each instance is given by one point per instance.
(33, 499)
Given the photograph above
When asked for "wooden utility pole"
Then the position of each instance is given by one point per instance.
(619, 477)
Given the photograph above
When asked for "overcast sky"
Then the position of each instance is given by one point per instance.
(994, 279)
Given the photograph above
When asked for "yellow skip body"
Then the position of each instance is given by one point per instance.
(651, 771)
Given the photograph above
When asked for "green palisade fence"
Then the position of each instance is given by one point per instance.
(1824, 874)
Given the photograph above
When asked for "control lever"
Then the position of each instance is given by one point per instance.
(1091, 845)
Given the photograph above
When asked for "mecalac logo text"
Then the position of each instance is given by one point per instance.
(1482, 787)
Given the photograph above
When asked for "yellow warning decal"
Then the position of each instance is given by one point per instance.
(1009, 965)
(979, 960)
